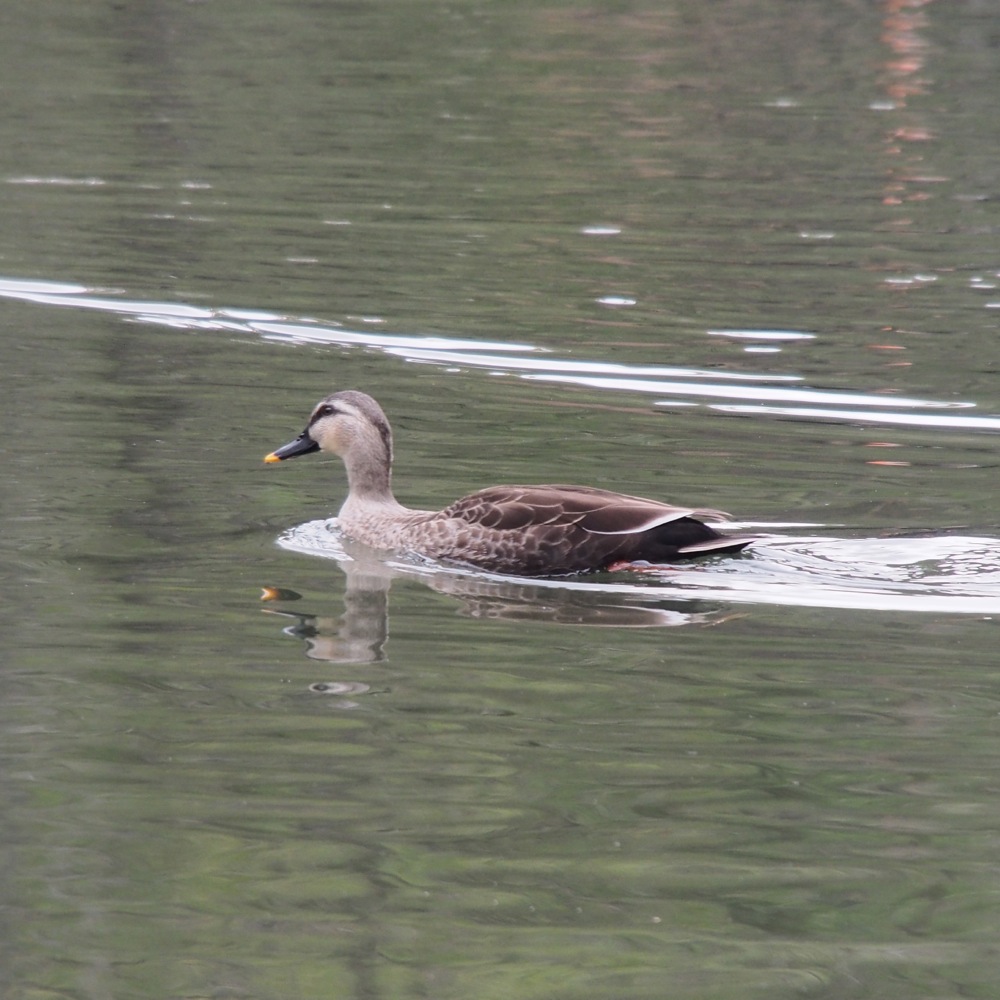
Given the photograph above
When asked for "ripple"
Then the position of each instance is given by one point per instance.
(59, 181)
(339, 687)
(870, 416)
(766, 394)
(944, 575)
(762, 334)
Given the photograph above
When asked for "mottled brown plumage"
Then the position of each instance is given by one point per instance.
(548, 530)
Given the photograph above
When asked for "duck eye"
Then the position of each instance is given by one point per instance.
(326, 410)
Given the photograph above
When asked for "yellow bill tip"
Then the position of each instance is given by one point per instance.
(273, 457)
(279, 594)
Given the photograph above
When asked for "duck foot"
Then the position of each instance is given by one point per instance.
(639, 566)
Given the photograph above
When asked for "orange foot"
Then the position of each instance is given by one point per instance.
(640, 566)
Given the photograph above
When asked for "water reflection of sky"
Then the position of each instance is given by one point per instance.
(773, 394)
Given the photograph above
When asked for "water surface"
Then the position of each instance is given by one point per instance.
(726, 255)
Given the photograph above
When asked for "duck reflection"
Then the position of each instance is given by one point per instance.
(359, 635)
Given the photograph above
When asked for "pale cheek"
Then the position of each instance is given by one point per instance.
(334, 439)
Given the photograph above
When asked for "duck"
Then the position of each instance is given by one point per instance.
(533, 531)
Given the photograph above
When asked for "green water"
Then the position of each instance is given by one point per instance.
(775, 776)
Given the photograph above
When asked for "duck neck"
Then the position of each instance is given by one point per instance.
(369, 474)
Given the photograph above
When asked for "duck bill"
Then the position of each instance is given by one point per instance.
(302, 445)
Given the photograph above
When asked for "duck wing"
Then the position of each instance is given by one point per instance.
(556, 529)
(585, 508)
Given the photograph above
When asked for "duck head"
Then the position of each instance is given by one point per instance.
(349, 424)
